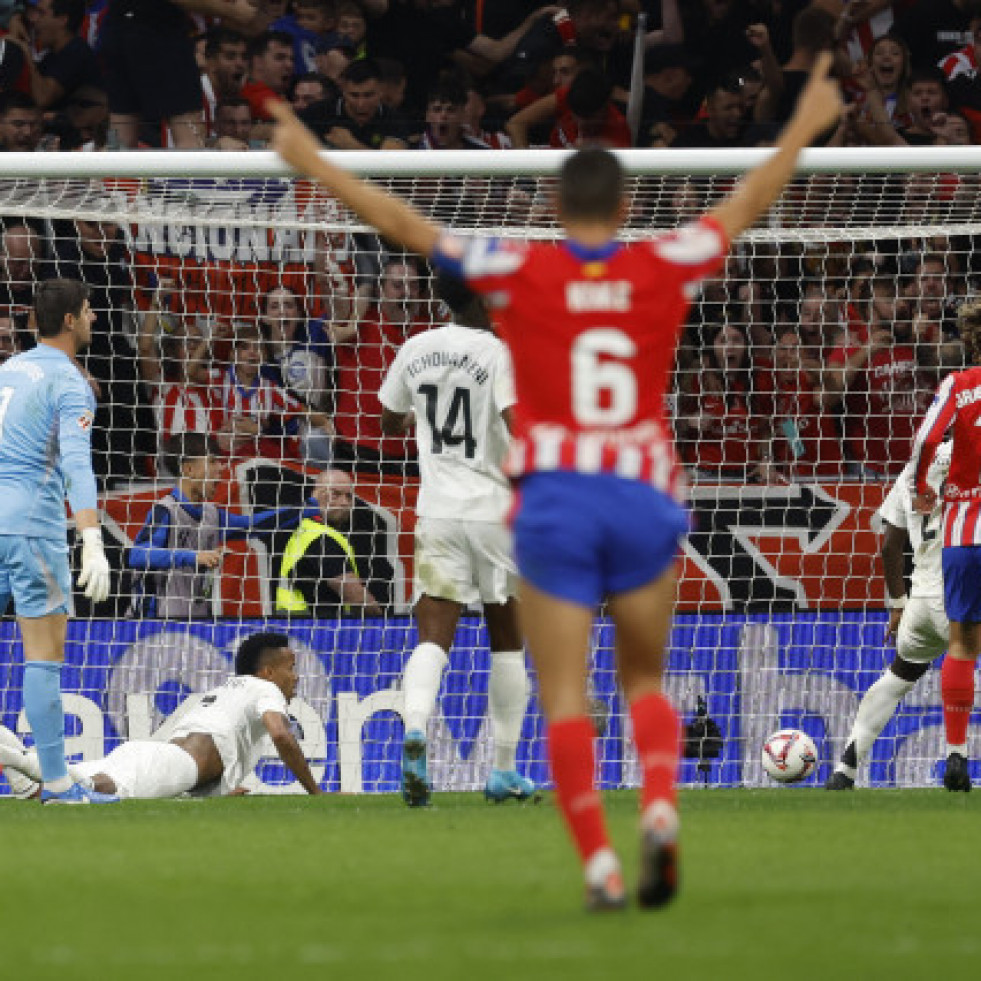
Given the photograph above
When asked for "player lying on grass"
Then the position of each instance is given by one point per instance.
(456, 384)
(214, 747)
(593, 325)
(917, 624)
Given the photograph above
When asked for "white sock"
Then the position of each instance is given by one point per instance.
(22, 772)
(420, 684)
(600, 865)
(22, 761)
(507, 701)
(661, 816)
(961, 749)
(23, 769)
(874, 711)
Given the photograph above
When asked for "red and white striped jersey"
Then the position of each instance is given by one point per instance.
(957, 406)
(262, 400)
(95, 14)
(183, 409)
(592, 334)
(961, 62)
(862, 37)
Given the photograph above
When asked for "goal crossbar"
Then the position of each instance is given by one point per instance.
(412, 163)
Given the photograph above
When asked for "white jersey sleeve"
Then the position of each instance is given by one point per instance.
(504, 392)
(895, 508)
(232, 716)
(394, 394)
(924, 530)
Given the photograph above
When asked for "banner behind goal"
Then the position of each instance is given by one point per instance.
(236, 301)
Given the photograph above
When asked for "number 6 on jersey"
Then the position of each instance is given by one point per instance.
(604, 389)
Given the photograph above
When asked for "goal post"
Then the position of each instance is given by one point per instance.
(801, 370)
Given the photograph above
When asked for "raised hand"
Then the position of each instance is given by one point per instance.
(820, 102)
(292, 140)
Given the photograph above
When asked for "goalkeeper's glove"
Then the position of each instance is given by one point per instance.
(94, 577)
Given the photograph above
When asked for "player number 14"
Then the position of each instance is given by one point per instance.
(604, 389)
(458, 416)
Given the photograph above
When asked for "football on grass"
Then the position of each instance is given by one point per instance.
(789, 755)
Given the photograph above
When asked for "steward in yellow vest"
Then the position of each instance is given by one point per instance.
(318, 574)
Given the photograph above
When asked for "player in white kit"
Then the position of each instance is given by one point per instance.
(918, 623)
(455, 385)
(214, 746)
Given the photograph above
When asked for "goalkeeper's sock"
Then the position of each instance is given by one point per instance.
(874, 711)
(420, 684)
(657, 735)
(957, 689)
(46, 716)
(507, 698)
(571, 756)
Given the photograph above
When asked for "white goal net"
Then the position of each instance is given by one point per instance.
(241, 304)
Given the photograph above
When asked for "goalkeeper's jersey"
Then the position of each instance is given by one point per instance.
(924, 530)
(232, 716)
(46, 415)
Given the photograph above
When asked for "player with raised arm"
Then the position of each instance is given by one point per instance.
(213, 747)
(957, 407)
(592, 325)
(46, 414)
(918, 623)
(456, 384)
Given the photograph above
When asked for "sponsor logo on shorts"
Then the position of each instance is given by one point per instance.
(85, 421)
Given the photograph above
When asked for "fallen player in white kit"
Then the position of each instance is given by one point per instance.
(214, 747)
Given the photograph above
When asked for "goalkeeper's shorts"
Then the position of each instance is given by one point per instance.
(35, 572)
(585, 537)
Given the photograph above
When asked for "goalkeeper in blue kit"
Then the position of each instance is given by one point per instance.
(46, 414)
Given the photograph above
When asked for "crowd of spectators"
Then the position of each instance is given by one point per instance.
(795, 364)
(433, 74)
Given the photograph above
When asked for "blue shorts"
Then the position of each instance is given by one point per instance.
(584, 537)
(962, 583)
(35, 572)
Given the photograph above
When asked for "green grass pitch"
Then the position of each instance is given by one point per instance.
(786, 884)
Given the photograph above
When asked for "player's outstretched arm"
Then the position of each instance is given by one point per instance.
(289, 750)
(818, 108)
(392, 217)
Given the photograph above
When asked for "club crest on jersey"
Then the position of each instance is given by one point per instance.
(85, 421)
(593, 270)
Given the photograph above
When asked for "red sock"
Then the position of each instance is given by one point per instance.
(657, 735)
(572, 758)
(957, 689)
